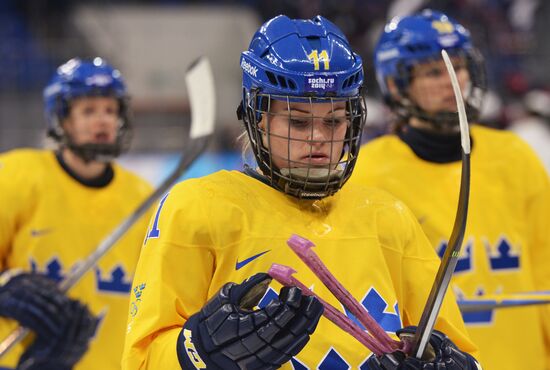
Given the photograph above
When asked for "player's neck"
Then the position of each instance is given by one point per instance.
(85, 170)
(431, 146)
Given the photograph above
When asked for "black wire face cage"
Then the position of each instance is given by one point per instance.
(405, 108)
(96, 152)
(305, 149)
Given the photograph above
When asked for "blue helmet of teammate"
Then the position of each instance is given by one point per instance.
(80, 78)
(296, 60)
(419, 38)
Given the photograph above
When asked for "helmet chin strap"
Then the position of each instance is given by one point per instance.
(90, 152)
(315, 174)
(441, 121)
(444, 121)
(94, 152)
(292, 181)
(310, 183)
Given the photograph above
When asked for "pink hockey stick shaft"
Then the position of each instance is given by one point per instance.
(283, 274)
(302, 247)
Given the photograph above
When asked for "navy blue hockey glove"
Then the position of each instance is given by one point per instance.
(441, 354)
(63, 326)
(228, 334)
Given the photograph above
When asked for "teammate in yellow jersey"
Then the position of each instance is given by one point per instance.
(303, 112)
(507, 242)
(57, 206)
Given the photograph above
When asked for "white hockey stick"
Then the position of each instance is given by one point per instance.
(200, 87)
(450, 258)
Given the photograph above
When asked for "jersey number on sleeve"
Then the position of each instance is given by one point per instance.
(155, 232)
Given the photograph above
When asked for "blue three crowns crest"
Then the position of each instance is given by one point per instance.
(114, 281)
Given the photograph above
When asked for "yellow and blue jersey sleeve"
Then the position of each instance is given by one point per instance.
(172, 279)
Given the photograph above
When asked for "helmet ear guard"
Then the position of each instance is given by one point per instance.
(80, 79)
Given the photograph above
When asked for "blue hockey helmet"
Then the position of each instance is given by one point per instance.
(419, 38)
(298, 60)
(80, 78)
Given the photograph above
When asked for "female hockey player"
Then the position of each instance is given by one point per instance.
(303, 112)
(57, 206)
(507, 242)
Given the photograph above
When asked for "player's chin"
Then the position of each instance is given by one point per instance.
(104, 137)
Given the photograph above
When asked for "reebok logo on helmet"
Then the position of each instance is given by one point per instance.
(249, 68)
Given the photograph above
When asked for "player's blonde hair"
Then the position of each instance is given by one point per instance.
(246, 147)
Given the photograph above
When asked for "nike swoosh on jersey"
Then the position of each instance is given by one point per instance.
(40, 232)
(239, 265)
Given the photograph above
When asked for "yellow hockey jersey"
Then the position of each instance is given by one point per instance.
(49, 222)
(506, 246)
(228, 226)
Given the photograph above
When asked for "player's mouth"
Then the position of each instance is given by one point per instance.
(316, 158)
(450, 103)
(102, 138)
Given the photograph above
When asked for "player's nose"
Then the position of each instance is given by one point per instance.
(319, 132)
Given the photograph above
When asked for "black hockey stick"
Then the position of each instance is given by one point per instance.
(200, 87)
(450, 258)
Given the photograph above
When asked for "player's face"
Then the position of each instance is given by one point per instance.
(93, 120)
(305, 135)
(431, 87)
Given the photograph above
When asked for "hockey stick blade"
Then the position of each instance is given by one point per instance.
(450, 258)
(200, 87)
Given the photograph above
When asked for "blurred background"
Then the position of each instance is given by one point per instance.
(153, 42)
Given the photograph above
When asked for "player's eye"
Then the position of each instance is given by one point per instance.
(429, 72)
(434, 72)
(460, 67)
(299, 122)
(88, 110)
(335, 120)
(112, 110)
